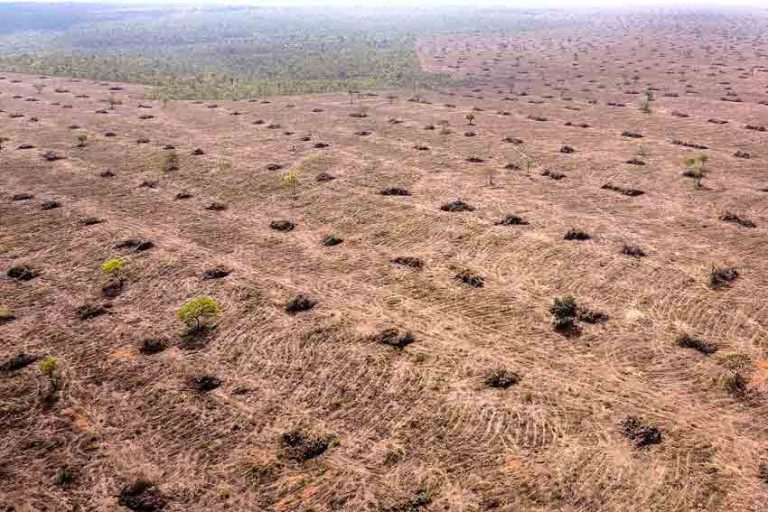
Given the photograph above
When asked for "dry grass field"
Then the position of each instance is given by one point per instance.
(426, 370)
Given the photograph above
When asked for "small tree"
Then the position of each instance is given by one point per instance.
(291, 179)
(528, 164)
(648, 94)
(491, 173)
(196, 311)
(169, 162)
(39, 87)
(470, 118)
(48, 368)
(113, 101)
(81, 140)
(564, 313)
(114, 268)
(645, 106)
(695, 168)
(443, 124)
(3, 140)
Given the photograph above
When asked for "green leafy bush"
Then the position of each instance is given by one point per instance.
(113, 266)
(197, 310)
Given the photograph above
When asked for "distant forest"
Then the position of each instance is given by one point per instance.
(235, 52)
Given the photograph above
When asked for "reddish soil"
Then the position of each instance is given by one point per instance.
(620, 417)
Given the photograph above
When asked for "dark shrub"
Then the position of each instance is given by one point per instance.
(112, 289)
(52, 156)
(470, 279)
(591, 316)
(640, 433)
(736, 384)
(88, 311)
(324, 176)
(330, 241)
(128, 243)
(394, 338)
(22, 273)
(301, 446)
(633, 250)
(408, 261)
(565, 313)
(17, 362)
(501, 378)
(631, 192)
(555, 175)
(216, 273)
(151, 346)
(457, 206)
(688, 341)
(762, 472)
(50, 205)
(299, 304)
(732, 217)
(721, 277)
(282, 225)
(90, 221)
(204, 383)
(573, 234)
(512, 220)
(678, 142)
(394, 191)
(142, 496)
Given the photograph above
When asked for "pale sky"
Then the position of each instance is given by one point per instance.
(576, 4)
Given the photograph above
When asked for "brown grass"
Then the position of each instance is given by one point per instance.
(414, 428)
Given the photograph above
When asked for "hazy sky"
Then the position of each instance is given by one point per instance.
(433, 3)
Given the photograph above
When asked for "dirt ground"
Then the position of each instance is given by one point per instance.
(317, 411)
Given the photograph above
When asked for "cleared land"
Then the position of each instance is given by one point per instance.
(317, 410)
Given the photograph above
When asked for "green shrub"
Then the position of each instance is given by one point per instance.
(113, 266)
(197, 310)
(6, 314)
(565, 313)
(49, 365)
